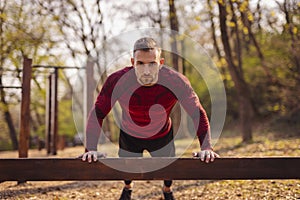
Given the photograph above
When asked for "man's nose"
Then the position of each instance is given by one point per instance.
(146, 69)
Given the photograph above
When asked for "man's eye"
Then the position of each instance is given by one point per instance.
(153, 64)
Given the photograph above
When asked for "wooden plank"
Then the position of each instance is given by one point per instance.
(25, 109)
(56, 169)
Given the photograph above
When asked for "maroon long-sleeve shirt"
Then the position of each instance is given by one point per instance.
(146, 109)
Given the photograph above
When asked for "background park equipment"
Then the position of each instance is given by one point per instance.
(63, 169)
(51, 105)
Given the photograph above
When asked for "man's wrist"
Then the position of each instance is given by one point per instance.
(208, 148)
(90, 149)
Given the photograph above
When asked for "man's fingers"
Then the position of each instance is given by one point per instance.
(89, 157)
(207, 156)
(202, 155)
(212, 157)
(83, 157)
(92, 156)
(95, 157)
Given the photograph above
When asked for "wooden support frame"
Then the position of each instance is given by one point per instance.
(63, 169)
(25, 109)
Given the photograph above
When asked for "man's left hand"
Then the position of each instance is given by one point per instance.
(206, 155)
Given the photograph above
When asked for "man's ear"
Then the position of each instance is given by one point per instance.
(132, 61)
(161, 61)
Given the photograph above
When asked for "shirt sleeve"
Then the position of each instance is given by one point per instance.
(191, 103)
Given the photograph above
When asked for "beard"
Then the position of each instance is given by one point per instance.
(148, 80)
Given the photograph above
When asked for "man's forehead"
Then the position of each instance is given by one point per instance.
(150, 54)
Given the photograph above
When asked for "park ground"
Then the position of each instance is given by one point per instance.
(228, 145)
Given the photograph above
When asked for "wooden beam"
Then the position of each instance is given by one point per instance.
(63, 169)
(25, 109)
(56, 67)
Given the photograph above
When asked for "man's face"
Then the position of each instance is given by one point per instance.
(147, 65)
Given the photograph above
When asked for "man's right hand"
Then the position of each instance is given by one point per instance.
(92, 156)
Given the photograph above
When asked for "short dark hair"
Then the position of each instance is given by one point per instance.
(145, 44)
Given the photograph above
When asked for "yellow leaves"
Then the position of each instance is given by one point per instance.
(180, 37)
(223, 62)
(3, 16)
(198, 18)
(272, 13)
(244, 6)
(55, 18)
(231, 24)
(220, 63)
(250, 17)
(221, 2)
(276, 107)
(194, 27)
(295, 30)
(245, 30)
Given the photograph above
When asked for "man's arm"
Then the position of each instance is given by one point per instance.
(96, 116)
(191, 103)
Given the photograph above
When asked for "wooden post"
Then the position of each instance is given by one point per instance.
(48, 115)
(91, 85)
(54, 117)
(89, 89)
(25, 109)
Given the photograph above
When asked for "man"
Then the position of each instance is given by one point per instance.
(147, 91)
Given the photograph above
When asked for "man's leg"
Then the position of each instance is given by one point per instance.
(128, 147)
(167, 185)
(128, 184)
(164, 147)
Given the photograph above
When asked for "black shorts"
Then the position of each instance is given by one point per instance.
(130, 146)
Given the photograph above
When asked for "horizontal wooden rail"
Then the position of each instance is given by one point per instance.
(56, 169)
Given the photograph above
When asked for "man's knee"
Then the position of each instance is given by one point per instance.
(127, 182)
(168, 183)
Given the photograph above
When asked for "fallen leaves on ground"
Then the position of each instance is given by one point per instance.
(229, 189)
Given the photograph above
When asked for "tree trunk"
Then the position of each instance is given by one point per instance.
(7, 115)
(244, 100)
(294, 46)
(8, 119)
(177, 63)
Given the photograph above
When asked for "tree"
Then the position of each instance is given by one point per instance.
(21, 36)
(235, 67)
(81, 24)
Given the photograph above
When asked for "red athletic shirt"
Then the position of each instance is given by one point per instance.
(146, 109)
